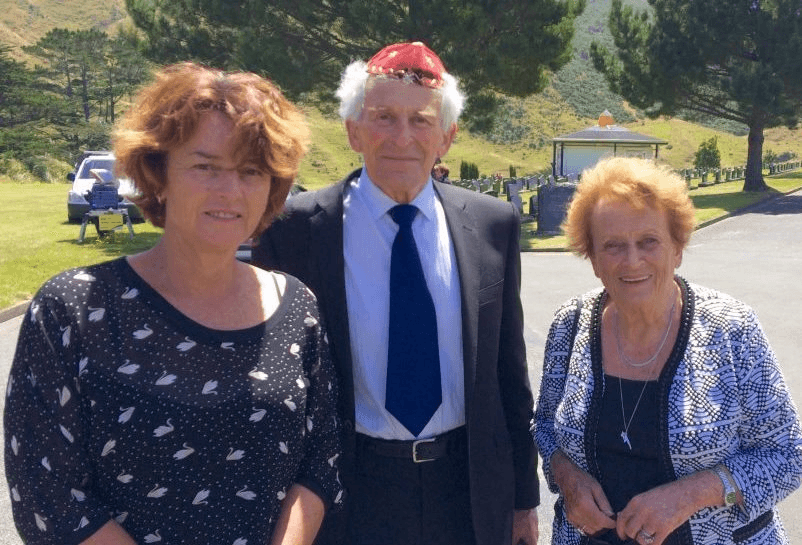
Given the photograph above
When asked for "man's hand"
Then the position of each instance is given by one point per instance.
(524, 527)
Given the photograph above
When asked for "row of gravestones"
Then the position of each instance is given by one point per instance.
(553, 196)
(776, 168)
(713, 176)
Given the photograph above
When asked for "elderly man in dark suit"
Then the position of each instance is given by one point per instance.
(419, 282)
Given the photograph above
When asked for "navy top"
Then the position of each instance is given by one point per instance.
(119, 406)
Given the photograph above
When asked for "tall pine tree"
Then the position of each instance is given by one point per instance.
(732, 59)
(303, 45)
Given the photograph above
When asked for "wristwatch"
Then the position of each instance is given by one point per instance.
(730, 492)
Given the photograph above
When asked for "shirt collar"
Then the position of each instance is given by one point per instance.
(378, 203)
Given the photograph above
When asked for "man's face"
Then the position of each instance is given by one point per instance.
(399, 134)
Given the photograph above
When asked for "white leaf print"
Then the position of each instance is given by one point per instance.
(258, 375)
(290, 403)
(108, 448)
(339, 498)
(200, 497)
(130, 293)
(164, 429)
(153, 538)
(257, 415)
(46, 464)
(240, 541)
(97, 314)
(32, 379)
(77, 495)
(64, 395)
(209, 387)
(65, 335)
(14, 445)
(188, 344)
(246, 494)
(34, 311)
(82, 365)
(282, 446)
(309, 423)
(310, 320)
(227, 346)
(184, 452)
(333, 459)
(66, 433)
(302, 382)
(121, 517)
(281, 494)
(125, 478)
(165, 379)
(295, 350)
(143, 333)
(157, 492)
(126, 414)
(235, 454)
(9, 386)
(83, 522)
(40, 522)
(84, 276)
(128, 368)
(15, 494)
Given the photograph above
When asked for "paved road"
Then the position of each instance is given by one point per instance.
(755, 256)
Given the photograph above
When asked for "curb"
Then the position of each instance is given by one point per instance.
(14, 311)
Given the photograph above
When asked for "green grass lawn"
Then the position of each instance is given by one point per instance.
(38, 242)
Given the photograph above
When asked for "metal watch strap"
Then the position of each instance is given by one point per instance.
(730, 492)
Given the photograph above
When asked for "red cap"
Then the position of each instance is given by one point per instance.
(413, 60)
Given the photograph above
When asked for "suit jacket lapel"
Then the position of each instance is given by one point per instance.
(462, 228)
(326, 240)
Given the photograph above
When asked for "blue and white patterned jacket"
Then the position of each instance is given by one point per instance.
(722, 399)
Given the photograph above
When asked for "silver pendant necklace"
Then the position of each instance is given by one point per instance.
(624, 435)
(626, 360)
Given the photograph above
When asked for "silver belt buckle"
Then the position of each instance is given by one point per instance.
(415, 450)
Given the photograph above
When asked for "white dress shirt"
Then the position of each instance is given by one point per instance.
(368, 235)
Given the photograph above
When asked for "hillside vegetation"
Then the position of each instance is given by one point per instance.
(519, 134)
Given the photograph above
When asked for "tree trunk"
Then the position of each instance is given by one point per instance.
(754, 159)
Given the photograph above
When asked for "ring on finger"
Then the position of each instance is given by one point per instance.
(582, 531)
(646, 537)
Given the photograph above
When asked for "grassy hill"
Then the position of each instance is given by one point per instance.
(520, 135)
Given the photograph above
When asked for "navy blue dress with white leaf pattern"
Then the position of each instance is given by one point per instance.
(120, 407)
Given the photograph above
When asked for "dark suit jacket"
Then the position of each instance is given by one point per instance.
(307, 242)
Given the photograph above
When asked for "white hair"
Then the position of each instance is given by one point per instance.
(352, 94)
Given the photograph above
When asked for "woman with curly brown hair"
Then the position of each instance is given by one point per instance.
(179, 395)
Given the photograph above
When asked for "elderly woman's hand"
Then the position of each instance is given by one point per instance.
(651, 516)
(586, 505)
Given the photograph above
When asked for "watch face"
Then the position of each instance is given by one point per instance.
(730, 498)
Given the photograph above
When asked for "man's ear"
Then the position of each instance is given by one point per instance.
(353, 135)
(448, 139)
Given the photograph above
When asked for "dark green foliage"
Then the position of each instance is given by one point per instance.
(468, 171)
(505, 45)
(497, 118)
(731, 59)
(708, 156)
(512, 171)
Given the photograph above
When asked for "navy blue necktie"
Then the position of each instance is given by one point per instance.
(413, 357)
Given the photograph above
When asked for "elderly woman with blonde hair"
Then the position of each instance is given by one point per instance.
(663, 416)
(180, 395)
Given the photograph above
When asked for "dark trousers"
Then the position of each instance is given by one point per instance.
(398, 501)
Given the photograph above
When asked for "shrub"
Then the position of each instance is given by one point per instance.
(513, 172)
(468, 171)
(708, 156)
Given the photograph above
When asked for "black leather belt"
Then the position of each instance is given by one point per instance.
(421, 450)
